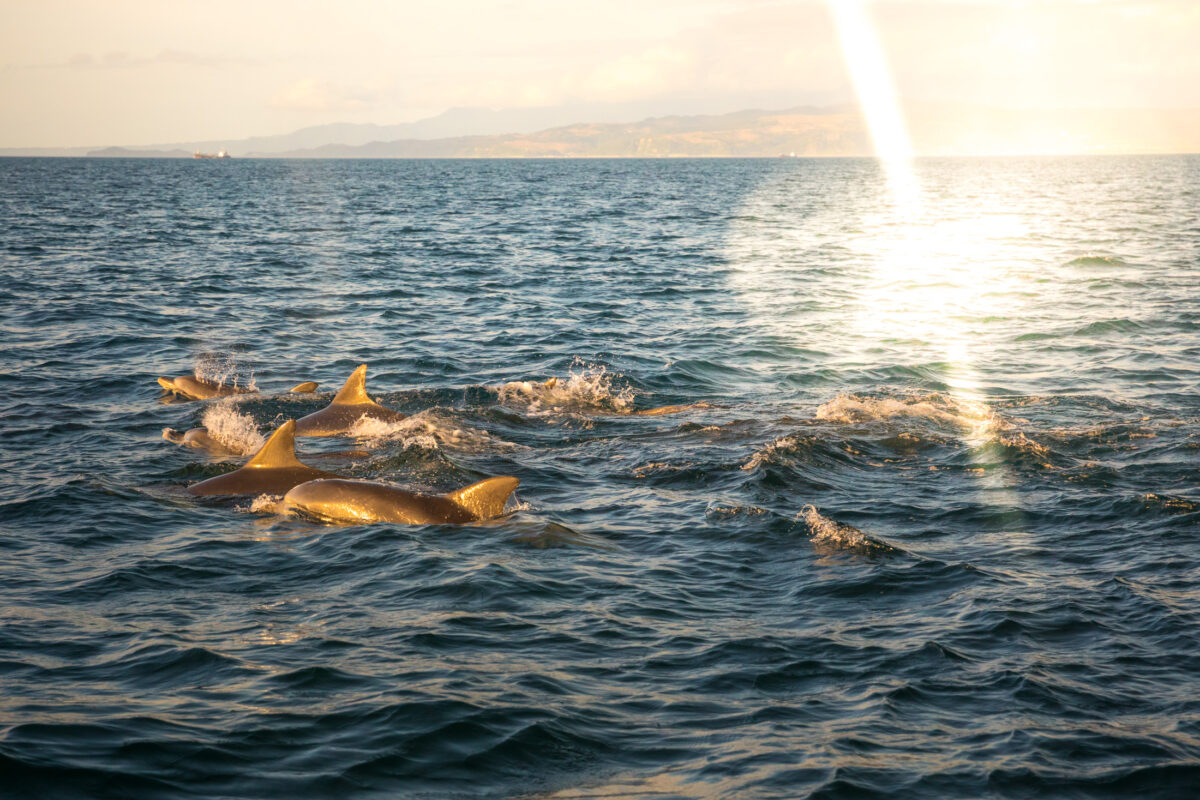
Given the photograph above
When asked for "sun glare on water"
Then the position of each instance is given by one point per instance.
(925, 278)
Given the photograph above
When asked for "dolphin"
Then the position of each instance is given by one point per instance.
(197, 439)
(364, 501)
(661, 410)
(191, 388)
(658, 411)
(272, 470)
(304, 388)
(349, 406)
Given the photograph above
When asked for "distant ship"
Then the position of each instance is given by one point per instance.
(219, 154)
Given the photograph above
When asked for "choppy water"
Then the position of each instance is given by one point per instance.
(935, 536)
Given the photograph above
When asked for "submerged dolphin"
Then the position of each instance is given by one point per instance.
(192, 388)
(364, 501)
(272, 470)
(657, 411)
(349, 406)
(197, 439)
(647, 412)
(661, 410)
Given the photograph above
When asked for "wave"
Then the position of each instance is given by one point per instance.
(937, 407)
(784, 444)
(1105, 326)
(1097, 262)
(827, 531)
(932, 430)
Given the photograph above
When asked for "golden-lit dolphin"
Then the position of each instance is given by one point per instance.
(304, 388)
(197, 439)
(192, 388)
(363, 501)
(272, 470)
(349, 406)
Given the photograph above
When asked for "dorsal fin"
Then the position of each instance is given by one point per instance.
(280, 449)
(355, 389)
(486, 498)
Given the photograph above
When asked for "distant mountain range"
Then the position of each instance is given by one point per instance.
(936, 129)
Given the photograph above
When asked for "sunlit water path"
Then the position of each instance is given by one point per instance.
(862, 570)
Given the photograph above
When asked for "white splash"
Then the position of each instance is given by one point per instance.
(222, 369)
(235, 431)
(427, 430)
(590, 388)
(265, 504)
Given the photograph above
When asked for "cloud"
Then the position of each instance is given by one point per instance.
(311, 94)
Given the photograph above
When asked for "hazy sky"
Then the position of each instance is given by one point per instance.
(83, 72)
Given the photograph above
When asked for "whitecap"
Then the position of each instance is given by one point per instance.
(829, 531)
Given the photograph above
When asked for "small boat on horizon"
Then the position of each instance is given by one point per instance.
(218, 154)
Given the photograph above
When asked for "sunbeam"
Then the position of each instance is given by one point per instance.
(924, 281)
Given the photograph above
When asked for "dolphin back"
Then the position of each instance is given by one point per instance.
(274, 469)
(350, 404)
(342, 500)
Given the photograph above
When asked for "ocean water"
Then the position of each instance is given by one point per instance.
(932, 530)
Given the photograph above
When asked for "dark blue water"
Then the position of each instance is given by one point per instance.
(934, 535)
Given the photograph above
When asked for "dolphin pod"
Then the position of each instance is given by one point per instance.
(339, 500)
(349, 405)
(274, 469)
(316, 493)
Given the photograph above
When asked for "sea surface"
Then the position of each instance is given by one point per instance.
(929, 526)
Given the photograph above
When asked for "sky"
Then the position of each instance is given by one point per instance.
(119, 72)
